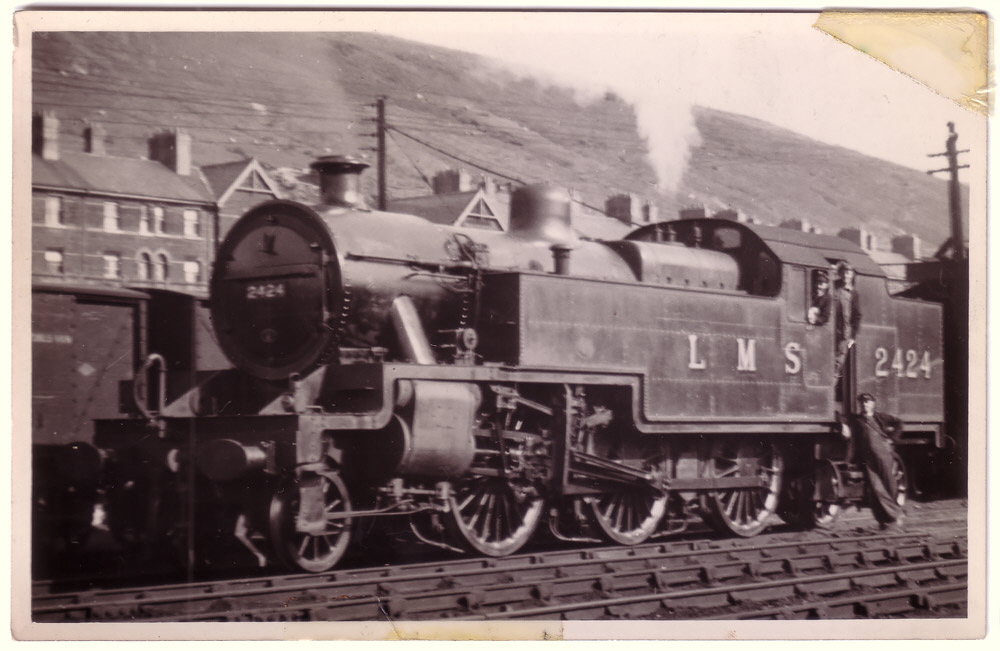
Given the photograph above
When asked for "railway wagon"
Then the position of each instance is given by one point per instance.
(86, 344)
(89, 344)
(480, 384)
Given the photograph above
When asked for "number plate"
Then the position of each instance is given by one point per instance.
(265, 290)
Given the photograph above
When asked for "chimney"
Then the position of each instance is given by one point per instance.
(541, 212)
(625, 208)
(173, 149)
(45, 135)
(94, 140)
(340, 180)
(859, 236)
(694, 212)
(908, 245)
(650, 212)
(798, 225)
(453, 180)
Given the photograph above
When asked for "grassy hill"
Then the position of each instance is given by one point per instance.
(287, 98)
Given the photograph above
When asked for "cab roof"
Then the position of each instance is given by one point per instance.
(788, 246)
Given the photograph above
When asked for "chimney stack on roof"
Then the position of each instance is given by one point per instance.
(692, 212)
(45, 135)
(94, 140)
(859, 236)
(629, 209)
(908, 245)
(452, 180)
(798, 225)
(173, 149)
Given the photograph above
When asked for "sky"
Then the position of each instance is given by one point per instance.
(775, 67)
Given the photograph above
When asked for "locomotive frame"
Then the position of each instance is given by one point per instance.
(482, 384)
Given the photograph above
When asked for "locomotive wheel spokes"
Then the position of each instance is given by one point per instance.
(303, 551)
(744, 511)
(491, 516)
(628, 516)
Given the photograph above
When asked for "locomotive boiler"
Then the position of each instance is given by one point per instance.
(480, 384)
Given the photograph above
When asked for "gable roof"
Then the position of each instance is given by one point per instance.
(438, 208)
(114, 175)
(222, 176)
(225, 178)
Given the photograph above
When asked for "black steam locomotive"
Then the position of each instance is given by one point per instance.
(480, 384)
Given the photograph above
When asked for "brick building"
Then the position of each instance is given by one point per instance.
(110, 220)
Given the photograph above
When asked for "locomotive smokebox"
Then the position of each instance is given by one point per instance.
(340, 180)
(541, 212)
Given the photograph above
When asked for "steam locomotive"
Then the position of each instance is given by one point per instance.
(484, 385)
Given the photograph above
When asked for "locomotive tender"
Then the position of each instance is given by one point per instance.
(481, 384)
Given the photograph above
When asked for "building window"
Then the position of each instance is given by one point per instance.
(192, 271)
(159, 226)
(191, 225)
(161, 267)
(54, 261)
(144, 228)
(53, 211)
(112, 265)
(112, 222)
(143, 266)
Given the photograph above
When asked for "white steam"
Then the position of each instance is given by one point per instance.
(772, 66)
(638, 75)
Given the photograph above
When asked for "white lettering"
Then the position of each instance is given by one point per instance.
(266, 290)
(912, 367)
(881, 360)
(897, 362)
(693, 361)
(746, 354)
(925, 364)
(793, 352)
(46, 338)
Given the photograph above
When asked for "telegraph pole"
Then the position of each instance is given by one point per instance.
(954, 191)
(952, 290)
(380, 135)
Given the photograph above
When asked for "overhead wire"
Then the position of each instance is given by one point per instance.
(456, 157)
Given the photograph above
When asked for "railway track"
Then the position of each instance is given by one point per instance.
(816, 576)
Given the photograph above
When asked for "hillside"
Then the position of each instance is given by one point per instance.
(287, 98)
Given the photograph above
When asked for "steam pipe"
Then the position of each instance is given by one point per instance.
(410, 332)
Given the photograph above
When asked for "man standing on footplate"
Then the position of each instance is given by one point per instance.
(876, 434)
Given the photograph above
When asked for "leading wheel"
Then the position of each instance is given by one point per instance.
(493, 516)
(629, 515)
(743, 511)
(304, 551)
